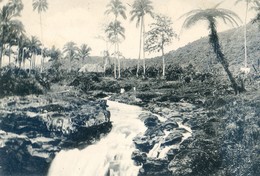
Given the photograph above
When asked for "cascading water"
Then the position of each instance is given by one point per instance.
(111, 156)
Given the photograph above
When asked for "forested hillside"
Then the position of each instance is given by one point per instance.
(200, 54)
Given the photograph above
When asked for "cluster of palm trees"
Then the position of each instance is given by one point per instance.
(12, 33)
(115, 31)
(72, 52)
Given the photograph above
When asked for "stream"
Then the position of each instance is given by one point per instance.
(111, 156)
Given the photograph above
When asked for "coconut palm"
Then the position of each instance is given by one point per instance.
(115, 33)
(70, 50)
(84, 52)
(34, 47)
(248, 2)
(55, 53)
(15, 30)
(139, 9)
(210, 16)
(117, 8)
(40, 6)
(7, 13)
(23, 50)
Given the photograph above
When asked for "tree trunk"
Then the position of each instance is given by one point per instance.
(163, 62)
(143, 46)
(245, 35)
(118, 60)
(9, 52)
(115, 73)
(213, 39)
(140, 48)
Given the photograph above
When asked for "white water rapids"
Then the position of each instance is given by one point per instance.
(111, 156)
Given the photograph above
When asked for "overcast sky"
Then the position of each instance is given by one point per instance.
(82, 21)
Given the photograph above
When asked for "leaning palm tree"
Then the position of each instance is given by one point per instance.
(211, 15)
(139, 9)
(114, 31)
(40, 6)
(70, 50)
(248, 2)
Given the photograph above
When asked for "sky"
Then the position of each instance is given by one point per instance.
(83, 21)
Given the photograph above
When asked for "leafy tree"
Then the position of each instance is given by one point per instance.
(8, 12)
(256, 7)
(139, 9)
(211, 15)
(114, 31)
(40, 6)
(70, 50)
(159, 36)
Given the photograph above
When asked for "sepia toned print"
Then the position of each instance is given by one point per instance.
(129, 87)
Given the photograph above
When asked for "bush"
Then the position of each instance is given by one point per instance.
(16, 81)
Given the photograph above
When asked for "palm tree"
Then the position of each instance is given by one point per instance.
(15, 30)
(114, 31)
(211, 15)
(40, 6)
(34, 47)
(55, 53)
(23, 50)
(8, 11)
(139, 9)
(248, 2)
(83, 52)
(118, 9)
(70, 49)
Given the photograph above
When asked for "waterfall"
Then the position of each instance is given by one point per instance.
(111, 156)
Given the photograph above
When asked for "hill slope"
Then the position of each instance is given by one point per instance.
(200, 54)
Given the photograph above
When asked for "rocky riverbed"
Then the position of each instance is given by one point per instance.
(35, 127)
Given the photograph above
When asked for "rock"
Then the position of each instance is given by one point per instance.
(139, 157)
(169, 125)
(157, 167)
(171, 153)
(33, 129)
(172, 138)
(154, 132)
(143, 143)
(151, 121)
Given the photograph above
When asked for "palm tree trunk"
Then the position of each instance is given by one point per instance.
(42, 61)
(118, 60)
(163, 61)
(213, 38)
(143, 46)
(140, 48)
(23, 60)
(9, 56)
(115, 73)
(245, 35)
